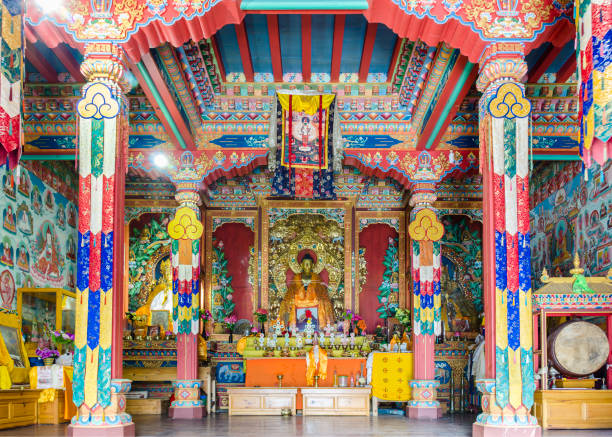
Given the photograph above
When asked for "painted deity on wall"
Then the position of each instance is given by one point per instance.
(72, 216)
(71, 248)
(23, 258)
(24, 219)
(36, 200)
(8, 185)
(49, 200)
(25, 186)
(48, 262)
(61, 216)
(7, 289)
(8, 219)
(6, 252)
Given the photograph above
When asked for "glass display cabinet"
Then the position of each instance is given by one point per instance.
(54, 308)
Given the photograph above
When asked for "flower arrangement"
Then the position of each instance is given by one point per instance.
(230, 322)
(348, 315)
(62, 338)
(206, 316)
(45, 353)
(403, 316)
(261, 315)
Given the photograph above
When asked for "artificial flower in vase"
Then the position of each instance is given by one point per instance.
(206, 317)
(262, 317)
(62, 339)
(47, 355)
(230, 323)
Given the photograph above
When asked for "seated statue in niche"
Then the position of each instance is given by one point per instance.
(307, 297)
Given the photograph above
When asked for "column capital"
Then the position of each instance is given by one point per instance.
(501, 62)
(187, 194)
(423, 195)
(104, 61)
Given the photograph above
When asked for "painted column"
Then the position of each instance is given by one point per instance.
(425, 232)
(504, 152)
(186, 230)
(103, 139)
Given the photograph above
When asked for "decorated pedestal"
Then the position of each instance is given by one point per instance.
(495, 421)
(187, 403)
(424, 404)
(109, 421)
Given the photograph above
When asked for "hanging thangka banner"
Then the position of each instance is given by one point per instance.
(303, 138)
(11, 60)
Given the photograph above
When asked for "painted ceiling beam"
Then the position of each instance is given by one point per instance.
(159, 85)
(545, 61)
(215, 47)
(368, 49)
(275, 48)
(39, 62)
(339, 22)
(306, 47)
(460, 81)
(245, 51)
(298, 5)
(567, 69)
(160, 109)
(71, 64)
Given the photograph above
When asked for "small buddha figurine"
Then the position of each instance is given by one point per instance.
(352, 340)
(332, 338)
(299, 341)
(262, 339)
(286, 339)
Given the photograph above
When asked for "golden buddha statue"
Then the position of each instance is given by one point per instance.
(305, 292)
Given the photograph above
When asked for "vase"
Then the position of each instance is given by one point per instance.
(48, 361)
(231, 337)
(262, 328)
(345, 326)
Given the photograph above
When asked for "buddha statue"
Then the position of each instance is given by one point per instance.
(305, 293)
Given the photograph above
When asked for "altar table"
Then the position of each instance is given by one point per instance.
(262, 372)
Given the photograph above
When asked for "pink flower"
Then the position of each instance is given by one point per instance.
(383, 299)
(230, 297)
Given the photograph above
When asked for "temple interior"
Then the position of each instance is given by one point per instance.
(222, 217)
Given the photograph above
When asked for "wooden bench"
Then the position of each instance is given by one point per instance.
(336, 401)
(18, 407)
(261, 401)
(147, 406)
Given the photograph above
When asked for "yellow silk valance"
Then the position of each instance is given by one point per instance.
(305, 103)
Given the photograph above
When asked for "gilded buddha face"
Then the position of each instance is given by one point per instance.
(307, 264)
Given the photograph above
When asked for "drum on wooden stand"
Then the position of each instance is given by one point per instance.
(578, 348)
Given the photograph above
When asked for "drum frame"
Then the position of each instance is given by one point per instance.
(540, 339)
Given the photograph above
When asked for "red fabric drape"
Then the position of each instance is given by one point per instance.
(375, 240)
(237, 239)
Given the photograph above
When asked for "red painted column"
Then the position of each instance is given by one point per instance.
(425, 231)
(186, 230)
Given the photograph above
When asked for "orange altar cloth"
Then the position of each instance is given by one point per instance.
(261, 372)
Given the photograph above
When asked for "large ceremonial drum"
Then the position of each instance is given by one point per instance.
(578, 348)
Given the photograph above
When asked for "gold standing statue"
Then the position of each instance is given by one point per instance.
(305, 292)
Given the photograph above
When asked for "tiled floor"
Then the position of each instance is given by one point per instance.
(241, 426)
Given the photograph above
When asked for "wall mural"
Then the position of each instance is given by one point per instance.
(149, 246)
(34, 236)
(570, 214)
(461, 281)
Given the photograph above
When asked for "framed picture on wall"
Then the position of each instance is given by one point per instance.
(153, 331)
(14, 346)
